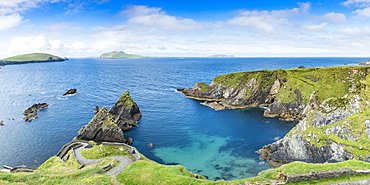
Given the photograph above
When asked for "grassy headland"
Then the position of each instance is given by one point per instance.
(31, 58)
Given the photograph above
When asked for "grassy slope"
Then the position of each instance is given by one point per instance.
(32, 57)
(116, 54)
(145, 171)
(328, 82)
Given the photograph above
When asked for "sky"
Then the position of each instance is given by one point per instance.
(243, 28)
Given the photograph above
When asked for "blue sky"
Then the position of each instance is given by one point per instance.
(248, 28)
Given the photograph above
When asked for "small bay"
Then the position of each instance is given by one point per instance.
(216, 144)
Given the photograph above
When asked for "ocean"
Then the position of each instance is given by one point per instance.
(216, 144)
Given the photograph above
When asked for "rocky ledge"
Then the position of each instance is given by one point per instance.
(30, 113)
(108, 126)
(330, 103)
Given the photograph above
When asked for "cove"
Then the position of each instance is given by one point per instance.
(217, 144)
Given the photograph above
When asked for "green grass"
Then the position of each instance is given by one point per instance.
(119, 54)
(55, 171)
(101, 151)
(328, 82)
(32, 57)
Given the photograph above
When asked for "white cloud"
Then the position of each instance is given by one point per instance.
(29, 43)
(161, 47)
(268, 20)
(318, 27)
(357, 32)
(363, 12)
(186, 48)
(335, 17)
(56, 44)
(156, 17)
(357, 3)
(9, 21)
(78, 45)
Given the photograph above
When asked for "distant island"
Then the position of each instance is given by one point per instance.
(221, 56)
(31, 58)
(119, 54)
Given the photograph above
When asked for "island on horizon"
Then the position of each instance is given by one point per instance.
(221, 56)
(118, 55)
(32, 58)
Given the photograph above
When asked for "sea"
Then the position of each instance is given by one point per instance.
(216, 144)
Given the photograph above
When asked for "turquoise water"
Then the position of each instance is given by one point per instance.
(216, 144)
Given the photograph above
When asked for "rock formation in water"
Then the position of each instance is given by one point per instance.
(70, 92)
(30, 113)
(109, 126)
(330, 104)
(125, 112)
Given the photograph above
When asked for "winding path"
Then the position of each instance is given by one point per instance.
(124, 161)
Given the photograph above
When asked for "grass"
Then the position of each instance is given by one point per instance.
(101, 151)
(32, 57)
(299, 84)
(55, 171)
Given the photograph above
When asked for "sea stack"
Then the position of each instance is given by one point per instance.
(109, 126)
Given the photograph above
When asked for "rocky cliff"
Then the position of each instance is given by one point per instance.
(125, 112)
(330, 103)
(109, 126)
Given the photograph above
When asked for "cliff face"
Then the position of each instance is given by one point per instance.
(331, 104)
(287, 94)
(125, 112)
(109, 126)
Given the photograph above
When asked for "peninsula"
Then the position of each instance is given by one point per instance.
(31, 58)
(118, 55)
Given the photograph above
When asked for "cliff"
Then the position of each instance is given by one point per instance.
(109, 126)
(31, 58)
(330, 104)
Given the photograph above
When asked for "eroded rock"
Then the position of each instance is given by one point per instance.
(108, 126)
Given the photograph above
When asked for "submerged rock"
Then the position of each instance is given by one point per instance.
(108, 126)
(70, 92)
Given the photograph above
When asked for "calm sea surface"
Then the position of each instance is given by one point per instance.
(217, 144)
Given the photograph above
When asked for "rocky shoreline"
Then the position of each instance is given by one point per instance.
(329, 103)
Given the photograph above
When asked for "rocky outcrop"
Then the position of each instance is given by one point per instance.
(70, 92)
(125, 112)
(329, 103)
(287, 94)
(102, 129)
(109, 126)
(30, 113)
(335, 132)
